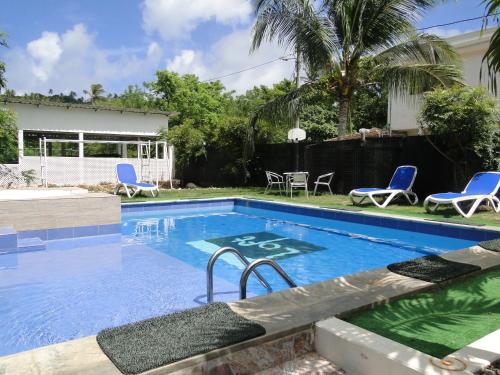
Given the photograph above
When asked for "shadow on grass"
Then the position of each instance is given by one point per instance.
(439, 322)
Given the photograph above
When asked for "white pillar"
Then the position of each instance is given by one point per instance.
(80, 145)
(20, 143)
(124, 150)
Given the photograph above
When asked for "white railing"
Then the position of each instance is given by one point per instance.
(90, 171)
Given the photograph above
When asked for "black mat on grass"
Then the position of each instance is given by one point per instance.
(493, 245)
(432, 268)
(151, 343)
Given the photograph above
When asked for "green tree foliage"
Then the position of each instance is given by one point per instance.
(201, 102)
(189, 142)
(96, 92)
(8, 136)
(464, 121)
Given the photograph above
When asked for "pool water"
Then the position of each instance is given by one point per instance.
(78, 286)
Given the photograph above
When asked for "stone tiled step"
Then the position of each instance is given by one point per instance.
(30, 244)
(309, 364)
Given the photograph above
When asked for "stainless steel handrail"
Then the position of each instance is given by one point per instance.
(251, 268)
(210, 270)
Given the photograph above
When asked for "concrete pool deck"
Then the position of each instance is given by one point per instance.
(282, 314)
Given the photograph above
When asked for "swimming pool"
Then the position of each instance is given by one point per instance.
(84, 283)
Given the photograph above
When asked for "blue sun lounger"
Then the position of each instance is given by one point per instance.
(127, 178)
(482, 187)
(401, 183)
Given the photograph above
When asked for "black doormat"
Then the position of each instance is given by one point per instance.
(432, 268)
(151, 343)
(493, 245)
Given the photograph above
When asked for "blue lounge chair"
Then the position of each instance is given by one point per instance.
(482, 187)
(401, 183)
(126, 176)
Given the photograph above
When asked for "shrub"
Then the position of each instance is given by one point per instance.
(463, 121)
(8, 136)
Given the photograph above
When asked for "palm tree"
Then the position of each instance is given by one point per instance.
(492, 56)
(295, 24)
(96, 92)
(3, 43)
(334, 36)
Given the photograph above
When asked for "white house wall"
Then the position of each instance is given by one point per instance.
(471, 48)
(47, 118)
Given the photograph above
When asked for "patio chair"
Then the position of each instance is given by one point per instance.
(127, 178)
(298, 181)
(324, 179)
(274, 179)
(401, 183)
(483, 186)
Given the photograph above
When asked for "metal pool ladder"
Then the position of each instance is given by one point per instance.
(250, 268)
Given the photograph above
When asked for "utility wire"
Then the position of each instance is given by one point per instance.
(287, 57)
(283, 58)
(459, 21)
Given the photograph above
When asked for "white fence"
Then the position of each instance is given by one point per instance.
(91, 171)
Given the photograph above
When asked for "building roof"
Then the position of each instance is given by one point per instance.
(18, 100)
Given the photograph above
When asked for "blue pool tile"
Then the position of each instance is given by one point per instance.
(60, 233)
(85, 231)
(8, 238)
(110, 228)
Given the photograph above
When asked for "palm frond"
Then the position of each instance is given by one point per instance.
(283, 108)
(295, 25)
(412, 79)
(419, 48)
(492, 55)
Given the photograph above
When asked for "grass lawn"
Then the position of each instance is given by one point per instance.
(324, 200)
(440, 322)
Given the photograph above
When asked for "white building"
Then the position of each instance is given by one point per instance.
(471, 47)
(88, 141)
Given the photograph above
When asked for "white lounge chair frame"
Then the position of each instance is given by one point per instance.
(274, 179)
(327, 183)
(358, 197)
(491, 199)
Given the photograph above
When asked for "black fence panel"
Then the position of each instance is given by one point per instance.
(356, 163)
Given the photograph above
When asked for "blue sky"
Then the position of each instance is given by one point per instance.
(67, 44)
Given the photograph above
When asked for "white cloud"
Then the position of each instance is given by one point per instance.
(231, 54)
(71, 61)
(176, 19)
(45, 52)
(188, 61)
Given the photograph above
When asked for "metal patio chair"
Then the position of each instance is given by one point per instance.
(274, 179)
(298, 181)
(324, 179)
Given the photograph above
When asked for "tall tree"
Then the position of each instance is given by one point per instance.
(492, 56)
(96, 92)
(337, 34)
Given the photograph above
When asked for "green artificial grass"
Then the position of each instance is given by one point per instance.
(324, 200)
(138, 347)
(442, 321)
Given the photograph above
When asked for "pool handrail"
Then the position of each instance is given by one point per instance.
(210, 270)
(256, 263)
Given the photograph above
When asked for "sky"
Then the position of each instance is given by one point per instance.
(66, 45)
